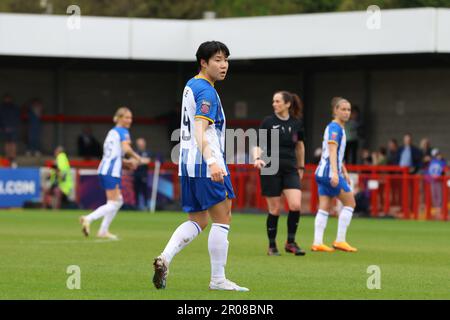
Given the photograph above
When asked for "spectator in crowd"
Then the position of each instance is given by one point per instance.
(436, 170)
(141, 175)
(88, 145)
(425, 147)
(9, 124)
(409, 155)
(392, 159)
(61, 182)
(34, 112)
(353, 134)
(379, 158)
(366, 157)
(392, 152)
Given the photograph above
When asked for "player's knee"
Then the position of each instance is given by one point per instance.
(350, 203)
(275, 211)
(295, 206)
(116, 205)
(202, 223)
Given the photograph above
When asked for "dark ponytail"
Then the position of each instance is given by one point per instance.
(296, 109)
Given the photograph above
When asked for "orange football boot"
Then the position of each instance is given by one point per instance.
(344, 246)
(321, 248)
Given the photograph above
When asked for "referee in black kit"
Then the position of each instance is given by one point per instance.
(287, 120)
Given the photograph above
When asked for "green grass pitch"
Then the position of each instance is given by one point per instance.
(37, 247)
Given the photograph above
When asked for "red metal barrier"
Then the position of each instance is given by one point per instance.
(398, 194)
(4, 163)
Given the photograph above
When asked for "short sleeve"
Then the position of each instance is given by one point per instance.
(206, 105)
(124, 134)
(334, 133)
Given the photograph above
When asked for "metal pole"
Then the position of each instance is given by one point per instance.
(155, 187)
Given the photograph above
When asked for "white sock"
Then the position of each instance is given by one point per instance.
(320, 224)
(182, 236)
(109, 216)
(218, 250)
(345, 217)
(101, 211)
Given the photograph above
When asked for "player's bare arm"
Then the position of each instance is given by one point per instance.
(258, 162)
(128, 150)
(333, 162)
(300, 154)
(200, 126)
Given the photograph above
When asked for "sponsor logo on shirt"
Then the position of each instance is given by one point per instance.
(334, 135)
(205, 107)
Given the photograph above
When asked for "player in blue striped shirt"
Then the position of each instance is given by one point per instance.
(333, 180)
(117, 145)
(206, 189)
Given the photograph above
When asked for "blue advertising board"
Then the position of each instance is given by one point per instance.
(18, 186)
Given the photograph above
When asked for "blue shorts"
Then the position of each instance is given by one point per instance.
(326, 189)
(200, 194)
(109, 182)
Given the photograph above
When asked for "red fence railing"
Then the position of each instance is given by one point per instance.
(390, 190)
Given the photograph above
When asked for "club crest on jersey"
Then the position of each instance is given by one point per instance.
(205, 107)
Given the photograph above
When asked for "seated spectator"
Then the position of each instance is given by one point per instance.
(409, 155)
(88, 145)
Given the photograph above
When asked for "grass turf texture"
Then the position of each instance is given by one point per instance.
(37, 247)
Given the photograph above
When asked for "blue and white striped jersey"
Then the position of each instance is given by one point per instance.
(200, 100)
(334, 133)
(111, 164)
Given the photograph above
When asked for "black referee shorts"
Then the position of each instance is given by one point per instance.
(286, 178)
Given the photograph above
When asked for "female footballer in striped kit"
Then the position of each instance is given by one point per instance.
(116, 146)
(333, 180)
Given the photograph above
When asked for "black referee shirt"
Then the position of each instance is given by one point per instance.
(291, 131)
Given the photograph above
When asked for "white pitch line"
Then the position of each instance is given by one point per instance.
(70, 241)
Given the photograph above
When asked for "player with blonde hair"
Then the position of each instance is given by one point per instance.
(333, 180)
(117, 145)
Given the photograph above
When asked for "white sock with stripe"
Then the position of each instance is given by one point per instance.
(218, 250)
(345, 217)
(319, 226)
(182, 236)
